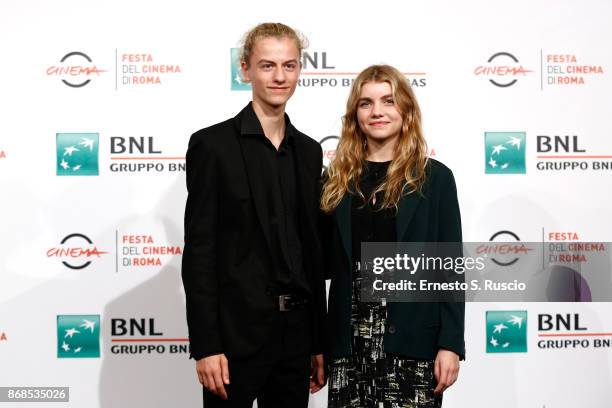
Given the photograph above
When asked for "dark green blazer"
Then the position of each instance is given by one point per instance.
(414, 330)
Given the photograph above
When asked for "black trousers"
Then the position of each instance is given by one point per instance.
(278, 376)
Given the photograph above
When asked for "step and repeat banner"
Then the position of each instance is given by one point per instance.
(98, 101)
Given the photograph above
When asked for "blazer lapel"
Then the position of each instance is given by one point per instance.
(254, 175)
(406, 209)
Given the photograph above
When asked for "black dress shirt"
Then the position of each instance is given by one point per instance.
(282, 200)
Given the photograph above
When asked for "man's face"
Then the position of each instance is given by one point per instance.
(274, 69)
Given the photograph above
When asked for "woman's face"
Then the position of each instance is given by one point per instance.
(377, 113)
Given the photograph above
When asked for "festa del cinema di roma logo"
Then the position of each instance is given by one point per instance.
(506, 331)
(77, 154)
(78, 336)
(505, 152)
(328, 145)
(76, 255)
(502, 70)
(76, 69)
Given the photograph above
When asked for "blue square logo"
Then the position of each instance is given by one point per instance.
(507, 331)
(77, 154)
(505, 152)
(78, 336)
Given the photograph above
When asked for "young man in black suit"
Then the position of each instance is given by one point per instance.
(252, 268)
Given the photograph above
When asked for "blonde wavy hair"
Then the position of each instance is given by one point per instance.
(406, 173)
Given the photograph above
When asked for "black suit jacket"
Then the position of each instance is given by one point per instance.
(415, 330)
(227, 264)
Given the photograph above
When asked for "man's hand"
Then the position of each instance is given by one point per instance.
(317, 373)
(446, 370)
(213, 373)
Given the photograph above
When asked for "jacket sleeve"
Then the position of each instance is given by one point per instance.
(199, 269)
(452, 314)
(326, 225)
(319, 293)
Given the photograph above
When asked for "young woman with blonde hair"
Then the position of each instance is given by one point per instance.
(382, 187)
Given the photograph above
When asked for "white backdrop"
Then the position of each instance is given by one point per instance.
(134, 217)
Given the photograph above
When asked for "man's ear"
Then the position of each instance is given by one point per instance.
(244, 69)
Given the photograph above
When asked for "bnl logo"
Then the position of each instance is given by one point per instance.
(77, 154)
(507, 331)
(505, 152)
(309, 60)
(238, 83)
(78, 336)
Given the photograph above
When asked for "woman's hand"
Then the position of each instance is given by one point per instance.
(446, 370)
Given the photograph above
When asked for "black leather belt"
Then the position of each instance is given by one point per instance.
(287, 303)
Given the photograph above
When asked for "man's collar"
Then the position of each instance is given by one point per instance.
(250, 124)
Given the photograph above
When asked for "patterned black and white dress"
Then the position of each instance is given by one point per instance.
(370, 378)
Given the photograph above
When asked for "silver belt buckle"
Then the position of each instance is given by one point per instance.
(281, 303)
